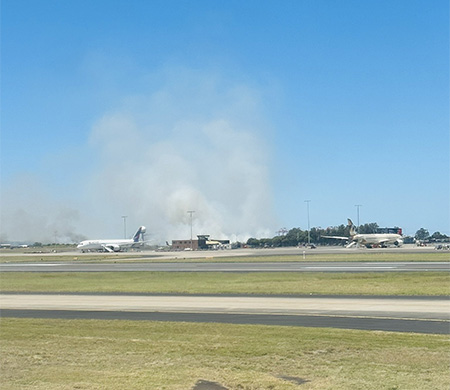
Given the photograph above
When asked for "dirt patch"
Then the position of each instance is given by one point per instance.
(207, 385)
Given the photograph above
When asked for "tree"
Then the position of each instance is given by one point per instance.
(422, 234)
(253, 242)
(265, 242)
(277, 241)
(315, 234)
(293, 237)
(438, 236)
(368, 228)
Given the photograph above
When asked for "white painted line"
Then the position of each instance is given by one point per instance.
(345, 267)
(30, 265)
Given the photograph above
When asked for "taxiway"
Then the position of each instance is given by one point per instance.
(406, 314)
(294, 266)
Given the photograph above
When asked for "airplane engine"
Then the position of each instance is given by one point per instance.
(399, 242)
(115, 248)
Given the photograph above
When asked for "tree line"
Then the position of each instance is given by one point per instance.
(297, 236)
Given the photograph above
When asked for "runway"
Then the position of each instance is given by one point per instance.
(297, 266)
(422, 315)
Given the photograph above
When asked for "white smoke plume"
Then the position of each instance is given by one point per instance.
(30, 214)
(194, 143)
(189, 141)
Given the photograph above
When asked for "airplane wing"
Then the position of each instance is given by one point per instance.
(336, 237)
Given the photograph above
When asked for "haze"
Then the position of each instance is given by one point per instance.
(240, 111)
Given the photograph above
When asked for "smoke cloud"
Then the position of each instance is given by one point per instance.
(30, 214)
(188, 141)
(194, 143)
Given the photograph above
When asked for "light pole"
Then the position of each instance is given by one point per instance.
(307, 209)
(357, 213)
(124, 225)
(191, 212)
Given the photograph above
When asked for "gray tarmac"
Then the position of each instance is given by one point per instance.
(377, 324)
(297, 266)
(423, 315)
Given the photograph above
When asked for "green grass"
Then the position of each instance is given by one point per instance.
(358, 255)
(390, 283)
(87, 354)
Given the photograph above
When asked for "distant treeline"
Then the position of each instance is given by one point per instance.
(297, 236)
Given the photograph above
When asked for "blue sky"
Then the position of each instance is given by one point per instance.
(240, 110)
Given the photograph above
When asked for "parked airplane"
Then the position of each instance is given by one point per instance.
(13, 246)
(369, 240)
(112, 245)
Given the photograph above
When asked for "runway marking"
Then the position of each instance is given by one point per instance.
(32, 265)
(348, 267)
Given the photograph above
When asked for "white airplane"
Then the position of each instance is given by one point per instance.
(112, 245)
(370, 240)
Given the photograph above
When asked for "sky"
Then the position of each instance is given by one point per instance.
(237, 110)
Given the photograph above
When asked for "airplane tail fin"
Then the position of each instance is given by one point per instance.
(352, 227)
(140, 232)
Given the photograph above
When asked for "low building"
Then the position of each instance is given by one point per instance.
(181, 245)
(202, 242)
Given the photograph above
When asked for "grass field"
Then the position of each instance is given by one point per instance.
(395, 283)
(40, 354)
(85, 354)
(357, 255)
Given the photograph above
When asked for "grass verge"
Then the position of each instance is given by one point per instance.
(87, 354)
(358, 255)
(317, 283)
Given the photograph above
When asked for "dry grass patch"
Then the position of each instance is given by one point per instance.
(87, 354)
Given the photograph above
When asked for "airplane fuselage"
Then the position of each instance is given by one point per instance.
(108, 245)
(112, 245)
(370, 240)
(378, 239)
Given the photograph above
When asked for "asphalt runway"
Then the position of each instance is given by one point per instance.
(298, 266)
(422, 315)
(388, 325)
